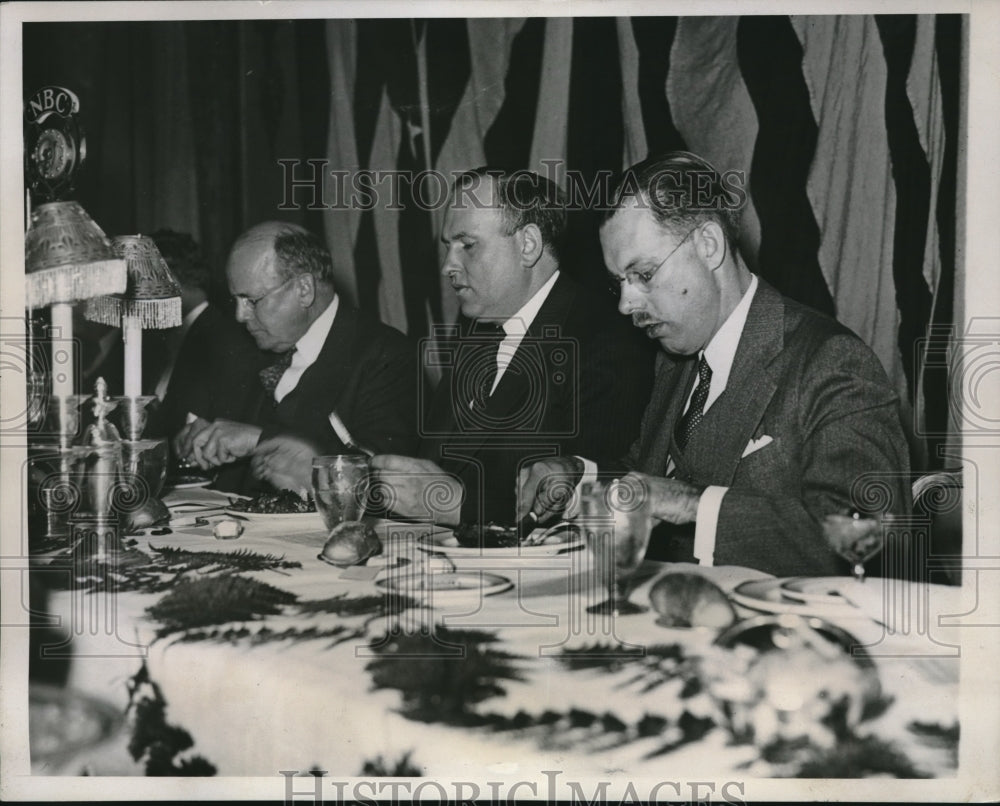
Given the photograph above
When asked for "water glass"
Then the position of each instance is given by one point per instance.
(340, 485)
(616, 523)
(855, 536)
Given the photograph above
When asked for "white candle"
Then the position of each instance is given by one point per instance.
(62, 349)
(132, 334)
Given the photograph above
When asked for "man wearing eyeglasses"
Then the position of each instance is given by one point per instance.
(764, 413)
(338, 376)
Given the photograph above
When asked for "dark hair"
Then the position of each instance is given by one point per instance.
(681, 190)
(184, 257)
(301, 252)
(523, 198)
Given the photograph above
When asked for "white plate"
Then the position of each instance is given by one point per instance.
(279, 517)
(445, 543)
(460, 583)
(768, 596)
(818, 590)
(191, 485)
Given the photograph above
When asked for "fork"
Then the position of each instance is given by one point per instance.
(536, 539)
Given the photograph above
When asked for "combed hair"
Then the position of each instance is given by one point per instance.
(184, 257)
(681, 190)
(299, 251)
(523, 198)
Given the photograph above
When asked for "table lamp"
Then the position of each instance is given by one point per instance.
(67, 257)
(151, 300)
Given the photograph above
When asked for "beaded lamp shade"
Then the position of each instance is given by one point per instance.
(67, 257)
(152, 296)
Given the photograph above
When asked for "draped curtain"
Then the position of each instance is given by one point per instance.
(847, 129)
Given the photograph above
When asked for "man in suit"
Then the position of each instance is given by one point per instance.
(208, 366)
(337, 375)
(536, 366)
(765, 415)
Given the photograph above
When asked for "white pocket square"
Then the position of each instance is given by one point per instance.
(756, 444)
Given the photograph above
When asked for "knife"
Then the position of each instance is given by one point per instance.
(345, 436)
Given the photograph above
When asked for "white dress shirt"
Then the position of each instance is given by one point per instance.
(177, 343)
(719, 354)
(517, 326)
(307, 349)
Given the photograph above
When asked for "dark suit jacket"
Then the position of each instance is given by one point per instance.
(366, 371)
(214, 373)
(577, 384)
(822, 396)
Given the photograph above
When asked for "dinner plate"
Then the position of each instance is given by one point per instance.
(769, 596)
(821, 590)
(843, 591)
(188, 483)
(380, 561)
(446, 543)
(450, 585)
(278, 517)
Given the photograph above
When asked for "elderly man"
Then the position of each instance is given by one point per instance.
(764, 414)
(338, 377)
(538, 365)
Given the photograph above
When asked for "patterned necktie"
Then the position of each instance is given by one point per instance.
(482, 367)
(269, 376)
(692, 417)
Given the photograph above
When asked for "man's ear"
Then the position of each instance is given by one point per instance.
(712, 245)
(305, 288)
(532, 246)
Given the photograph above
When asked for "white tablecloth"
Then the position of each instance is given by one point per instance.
(255, 709)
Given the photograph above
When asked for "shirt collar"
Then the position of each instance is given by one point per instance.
(519, 323)
(308, 346)
(721, 350)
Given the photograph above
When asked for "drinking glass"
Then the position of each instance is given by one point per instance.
(616, 523)
(855, 536)
(340, 484)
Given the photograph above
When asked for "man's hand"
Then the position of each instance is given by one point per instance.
(670, 500)
(546, 487)
(184, 438)
(285, 462)
(222, 442)
(415, 488)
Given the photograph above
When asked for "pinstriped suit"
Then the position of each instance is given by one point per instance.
(820, 393)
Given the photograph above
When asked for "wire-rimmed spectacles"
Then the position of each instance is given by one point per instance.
(642, 279)
(252, 302)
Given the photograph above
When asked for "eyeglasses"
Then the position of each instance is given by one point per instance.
(251, 302)
(641, 279)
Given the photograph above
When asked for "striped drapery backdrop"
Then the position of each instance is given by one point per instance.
(847, 129)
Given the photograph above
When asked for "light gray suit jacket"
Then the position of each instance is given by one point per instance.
(821, 395)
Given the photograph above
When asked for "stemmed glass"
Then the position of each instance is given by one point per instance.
(616, 523)
(856, 536)
(339, 487)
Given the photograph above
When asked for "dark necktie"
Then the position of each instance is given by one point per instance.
(270, 375)
(482, 367)
(692, 417)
